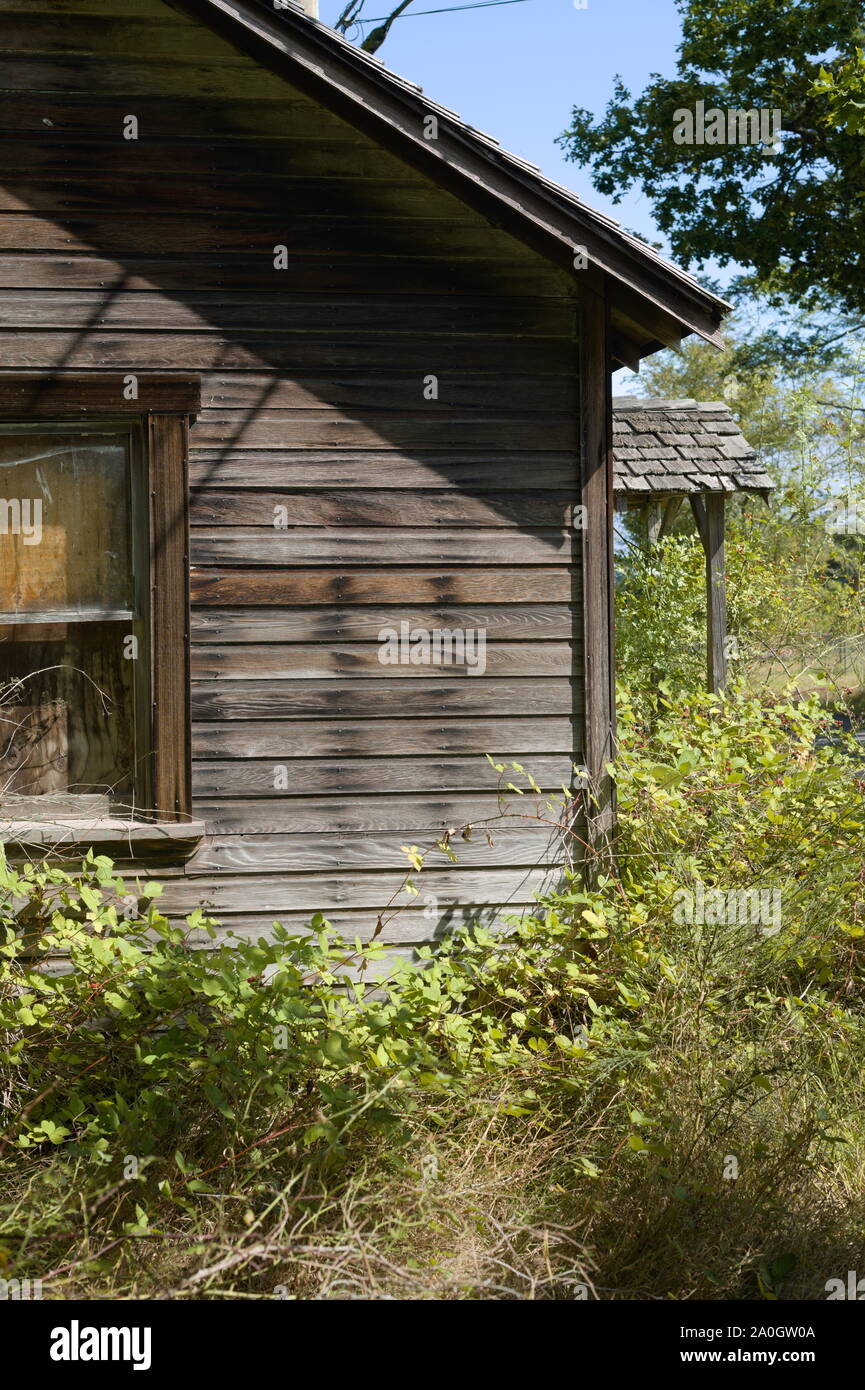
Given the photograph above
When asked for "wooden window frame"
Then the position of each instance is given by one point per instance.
(163, 406)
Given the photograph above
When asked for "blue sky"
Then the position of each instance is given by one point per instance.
(516, 71)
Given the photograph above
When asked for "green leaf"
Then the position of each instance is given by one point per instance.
(321, 1130)
(217, 1100)
(336, 1050)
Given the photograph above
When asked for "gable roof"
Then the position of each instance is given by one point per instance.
(654, 303)
(678, 447)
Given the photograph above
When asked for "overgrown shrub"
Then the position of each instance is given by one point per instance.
(611, 1101)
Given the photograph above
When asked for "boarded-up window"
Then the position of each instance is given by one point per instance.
(74, 656)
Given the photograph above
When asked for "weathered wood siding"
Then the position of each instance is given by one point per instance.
(120, 255)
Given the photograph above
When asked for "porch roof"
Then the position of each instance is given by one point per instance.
(674, 448)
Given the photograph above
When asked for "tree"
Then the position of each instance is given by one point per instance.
(792, 212)
(801, 416)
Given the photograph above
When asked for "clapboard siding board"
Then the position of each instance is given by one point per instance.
(500, 472)
(382, 698)
(476, 391)
(464, 390)
(356, 508)
(317, 236)
(461, 315)
(501, 622)
(113, 156)
(80, 190)
(256, 271)
(404, 932)
(528, 846)
(429, 428)
(409, 813)
(97, 116)
(401, 926)
(308, 776)
(157, 255)
(90, 348)
(375, 547)
(128, 56)
(95, 119)
(214, 195)
(331, 738)
(285, 314)
(301, 892)
(121, 9)
(480, 390)
(136, 77)
(218, 194)
(34, 25)
(295, 661)
(445, 584)
(35, 34)
(367, 971)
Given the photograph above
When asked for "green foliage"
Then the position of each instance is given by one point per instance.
(147, 1041)
(579, 1084)
(794, 600)
(794, 578)
(801, 418)
(843, 87)
(791, 217)
(733, 790)
(661, 614)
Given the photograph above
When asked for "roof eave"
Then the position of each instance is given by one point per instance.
(664, 301)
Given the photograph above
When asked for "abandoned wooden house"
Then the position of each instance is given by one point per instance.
(296, 365)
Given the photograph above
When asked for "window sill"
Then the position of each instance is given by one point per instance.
(120, 839)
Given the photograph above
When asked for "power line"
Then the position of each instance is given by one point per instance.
(448, 9)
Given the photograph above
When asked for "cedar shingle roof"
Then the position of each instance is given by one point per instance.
(681, 447)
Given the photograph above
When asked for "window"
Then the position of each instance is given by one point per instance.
(74, 617)
(94, 641)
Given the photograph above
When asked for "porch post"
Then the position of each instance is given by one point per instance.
(596, 465)
(709, 515)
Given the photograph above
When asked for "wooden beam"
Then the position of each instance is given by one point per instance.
(660, 512)
(709, 515)
(671, 511)
(625, 352)
(654, 518)
(596, 416)
(699, 511)
(105, 393)
(169, 614)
